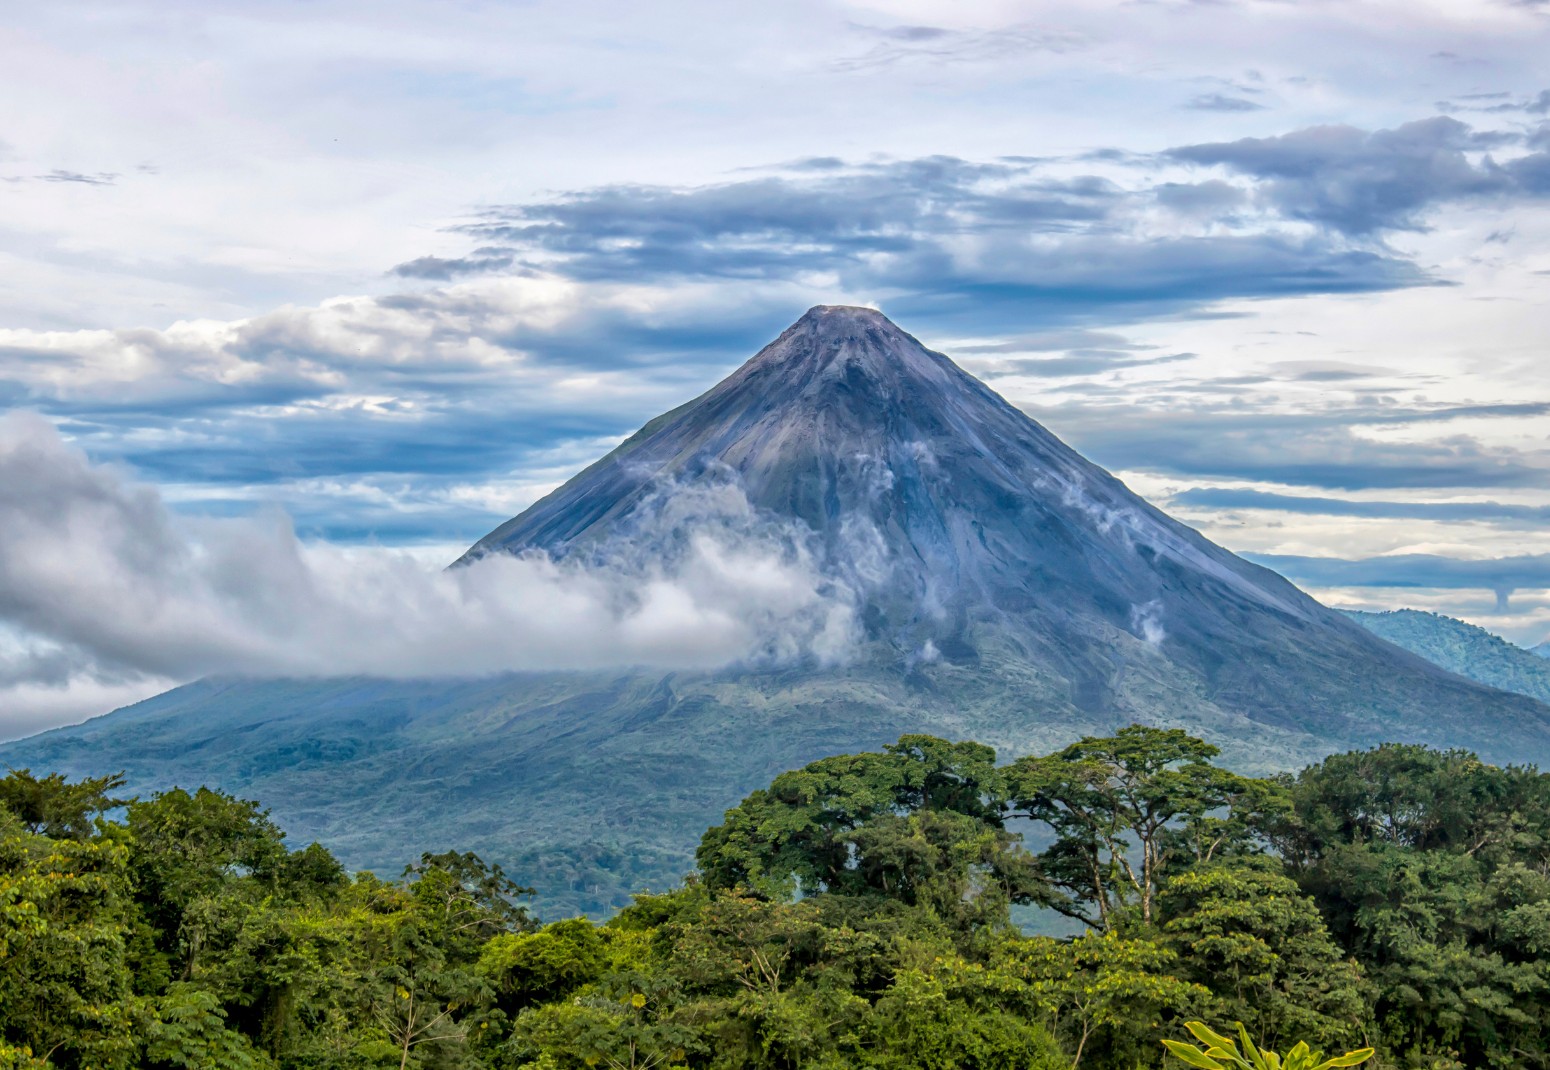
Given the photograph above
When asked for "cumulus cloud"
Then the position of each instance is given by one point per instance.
(572, 318)
(100, 583)
(406, 417)
(1005, 244)
(391, 415)
(1360, 182)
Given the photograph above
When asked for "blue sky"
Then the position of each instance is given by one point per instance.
(396, 269)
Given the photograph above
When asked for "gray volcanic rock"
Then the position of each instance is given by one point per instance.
(1006, 589)
(967, 526)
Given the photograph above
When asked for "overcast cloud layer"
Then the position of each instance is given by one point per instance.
(385, 274)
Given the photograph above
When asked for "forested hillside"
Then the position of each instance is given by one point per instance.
(1464, 648)
(853, 914)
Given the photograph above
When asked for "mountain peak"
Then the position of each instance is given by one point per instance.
(842, 319)
(845, 344)
(941, 504)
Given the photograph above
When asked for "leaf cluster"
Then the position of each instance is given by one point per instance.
(1217, 1052)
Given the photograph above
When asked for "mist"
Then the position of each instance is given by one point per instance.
(105, 593)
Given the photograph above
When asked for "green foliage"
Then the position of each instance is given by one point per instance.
(543, 966)
(187, 1031)
(957, 1015)
(921, 823)
(1217, 1052)
(1430, 868)
(1464, 648)
(65, 991)
(1245, 931)
(52, 807)
(1125, 807)
(1104, 991)
(855, 914)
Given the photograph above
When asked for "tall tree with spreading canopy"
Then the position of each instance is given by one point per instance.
(922, 823)
(1125, 807)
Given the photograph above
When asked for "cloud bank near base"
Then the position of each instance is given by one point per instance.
(101, 586)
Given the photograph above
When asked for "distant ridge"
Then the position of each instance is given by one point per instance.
(1005, 589)
(1464, 648)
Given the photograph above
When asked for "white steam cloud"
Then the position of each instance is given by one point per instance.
(102, 588)
(1146, 622)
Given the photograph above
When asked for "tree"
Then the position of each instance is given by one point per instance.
(624, 1024)
(1104, 986)
(1430, 868)
(528, 968)
(957, 1015)
(65, 986)
(1245, 931)
(189, 852)
(52, 806)
(1123, 808)
(921, 823)
(188, 1031)
(470, 897)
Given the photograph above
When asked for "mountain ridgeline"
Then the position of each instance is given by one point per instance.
(1464, 648)
(1004, 588)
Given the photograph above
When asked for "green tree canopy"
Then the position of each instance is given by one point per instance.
(1124, 807)
(922, 822)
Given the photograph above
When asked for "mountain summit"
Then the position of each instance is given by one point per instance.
(965, 525)
(1005, 589)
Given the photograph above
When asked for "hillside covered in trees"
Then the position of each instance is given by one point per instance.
(1464, 648)
(856, 913)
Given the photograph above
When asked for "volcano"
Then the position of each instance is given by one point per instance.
(976, 536)
(1004, 589)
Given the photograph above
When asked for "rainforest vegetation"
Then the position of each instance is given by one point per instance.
(856, 913)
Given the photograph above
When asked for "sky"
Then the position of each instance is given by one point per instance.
(309, 296)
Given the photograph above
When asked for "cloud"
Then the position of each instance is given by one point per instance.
(1031, 232)
(895, 45)
(389, 407)
(1318, 449)
(1240, 498)
(1502, 575)
(1202, 200)
(1222, 102)
(101, 585)
(102, 178)
(613, 303)
(1008, 240)
(1359, 182)
(1075, 363)
(480, 262)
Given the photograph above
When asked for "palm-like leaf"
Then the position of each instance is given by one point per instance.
(1221, 1053)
